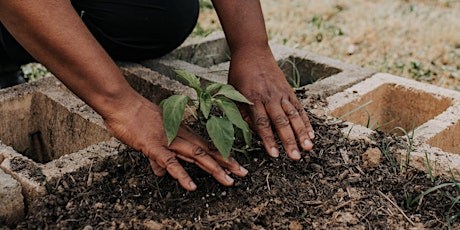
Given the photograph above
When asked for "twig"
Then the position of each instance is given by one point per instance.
(397, 207)
(268, 183)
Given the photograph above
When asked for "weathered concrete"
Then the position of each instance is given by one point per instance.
(11, 199)
(210, 60)
(398, 105)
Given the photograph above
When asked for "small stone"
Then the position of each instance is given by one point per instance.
(294, 225)
(88, 227)
(372, 158)
(351, 49)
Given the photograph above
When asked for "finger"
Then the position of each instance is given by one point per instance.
(306, 120)
(297, 124)
(263, 128)
(202, 159)
(284, 130)
(167, 160)
(159, 171)
(231, 164)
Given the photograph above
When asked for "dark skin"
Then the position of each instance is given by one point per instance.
(86, 69)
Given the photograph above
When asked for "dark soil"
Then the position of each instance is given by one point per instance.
(321, 191)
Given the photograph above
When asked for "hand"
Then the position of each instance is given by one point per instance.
(257, 76)
(140, 126)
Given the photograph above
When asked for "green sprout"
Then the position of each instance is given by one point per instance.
(216, 97)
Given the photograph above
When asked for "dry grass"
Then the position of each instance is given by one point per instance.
(418, 39)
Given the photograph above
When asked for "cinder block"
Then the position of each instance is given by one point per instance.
(153, 85)
(209, 58)
(11, 199)
(38, 123)
(47, 132)
(397, 105)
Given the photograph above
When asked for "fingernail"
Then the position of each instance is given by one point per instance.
(295, 154)
(311, 135)
(274, 152)
(229, 179)
(192, 185)
(243, 170)
(308, 143)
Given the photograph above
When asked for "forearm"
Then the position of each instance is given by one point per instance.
(52, 32)
(243, 24)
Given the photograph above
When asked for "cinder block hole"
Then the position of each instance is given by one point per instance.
(43, 130)
(301, 72)
(391, 106)
(204, 54)
(448, 140)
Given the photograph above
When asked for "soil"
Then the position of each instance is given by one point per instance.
(337, 185)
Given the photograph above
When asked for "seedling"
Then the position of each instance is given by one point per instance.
(295, 78)
(409, 147)
(215, 99)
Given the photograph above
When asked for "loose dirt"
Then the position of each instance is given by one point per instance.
(340, 184)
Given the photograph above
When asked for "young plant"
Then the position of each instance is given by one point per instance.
(409, 147)
(216, 97)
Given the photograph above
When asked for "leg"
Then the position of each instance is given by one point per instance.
(9, 66)
(138, 29)
(127, 29)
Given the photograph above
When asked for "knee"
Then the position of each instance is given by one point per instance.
(147, 28)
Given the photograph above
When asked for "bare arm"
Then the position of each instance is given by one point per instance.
(52, 32)
(254, 71)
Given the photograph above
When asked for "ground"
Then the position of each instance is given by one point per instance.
(340, 184)
(417, 39)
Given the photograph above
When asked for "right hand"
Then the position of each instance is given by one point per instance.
(140, 126)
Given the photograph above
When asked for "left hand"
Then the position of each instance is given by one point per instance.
(257, 76)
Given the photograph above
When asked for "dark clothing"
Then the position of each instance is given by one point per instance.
(127, 29)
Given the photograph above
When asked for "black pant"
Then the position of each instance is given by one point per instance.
(127, 29)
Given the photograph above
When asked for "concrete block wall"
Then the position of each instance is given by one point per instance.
(46, 132)
(399, 105)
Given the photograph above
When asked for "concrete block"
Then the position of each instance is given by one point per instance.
(48, 132)
(210, 59)
(11, 199)
(398, 105)
(154, 85)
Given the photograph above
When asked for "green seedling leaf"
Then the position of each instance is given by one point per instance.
(233, 114)
(213, 87)
(247, 134)
(230, 92)
(221, 132)
(173, 113)
(231, 111)
(205, 104)
(192, 80)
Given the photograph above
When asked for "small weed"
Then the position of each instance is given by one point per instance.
(385, 149)
(355, 110)
(409, 147)
(295, 77)
(453, 212)
(428, 167)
